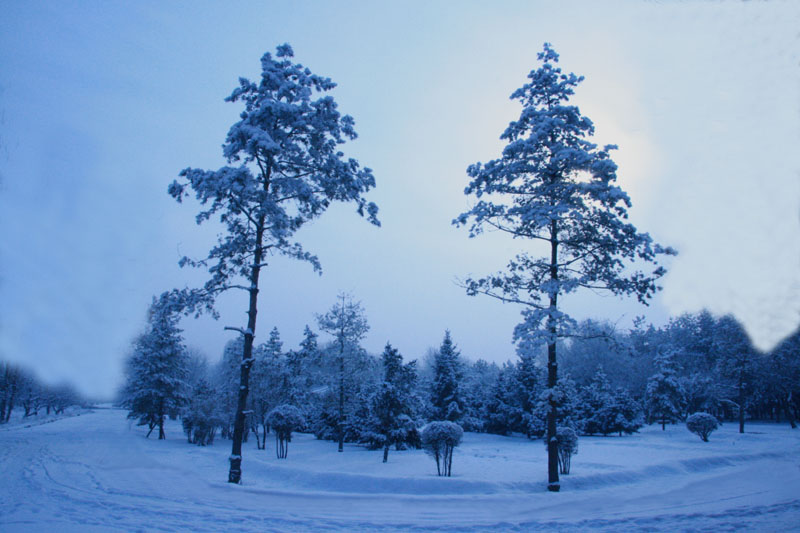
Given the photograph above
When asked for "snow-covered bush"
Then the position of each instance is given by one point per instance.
(702, 425)
(439, 439)
(284, 419)
(567, 447)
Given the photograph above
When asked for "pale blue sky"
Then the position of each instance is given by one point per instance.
(103, 103)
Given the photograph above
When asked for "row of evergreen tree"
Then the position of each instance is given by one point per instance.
(21, 389)
(612, 382)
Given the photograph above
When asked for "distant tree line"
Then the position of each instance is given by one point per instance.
(613, 383)
(20, 389)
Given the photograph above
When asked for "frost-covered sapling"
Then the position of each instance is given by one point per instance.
(554, 186)
(284, 419)
(391, 408)
(702, 425)
(347, 323)
(439, 440)
(285, 168)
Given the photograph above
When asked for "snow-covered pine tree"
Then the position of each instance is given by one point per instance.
(784, 369)
(156, 370)
(269, 384)
(738, 363)
(226, 382)
(476, 394)
(704, 392)
(289, 169)
(445, 395)
(553, 186)
(599, 413)
(392, 404)
(569, 403)
(202, 415)
(531, 379)
(503, 412)
(298, 364)
(347, 324)
(664, 391)
(626, 413)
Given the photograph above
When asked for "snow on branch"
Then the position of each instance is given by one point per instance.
(247, 331)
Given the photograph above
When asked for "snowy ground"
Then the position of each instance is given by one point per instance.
(97, 473)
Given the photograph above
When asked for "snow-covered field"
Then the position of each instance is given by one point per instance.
(95, 472)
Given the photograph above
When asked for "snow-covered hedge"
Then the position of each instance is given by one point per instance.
(439, 439)
(284, 419)
(702, 425)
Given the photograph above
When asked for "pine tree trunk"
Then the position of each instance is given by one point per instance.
(741, 418)
(161, 434)
(235, 472)
(11, 399)
(741, 405)
(341, 384)
(787, 408)
(386, 451)
(341, 404)
(553, 484)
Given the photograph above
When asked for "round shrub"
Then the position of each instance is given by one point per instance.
(567, 447)
(284, 419)
(439, 439)
(702, 425)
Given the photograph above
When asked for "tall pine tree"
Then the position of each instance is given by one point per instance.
(285, 169)
(553, 186)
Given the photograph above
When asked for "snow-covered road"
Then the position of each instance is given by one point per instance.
(96, 473)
